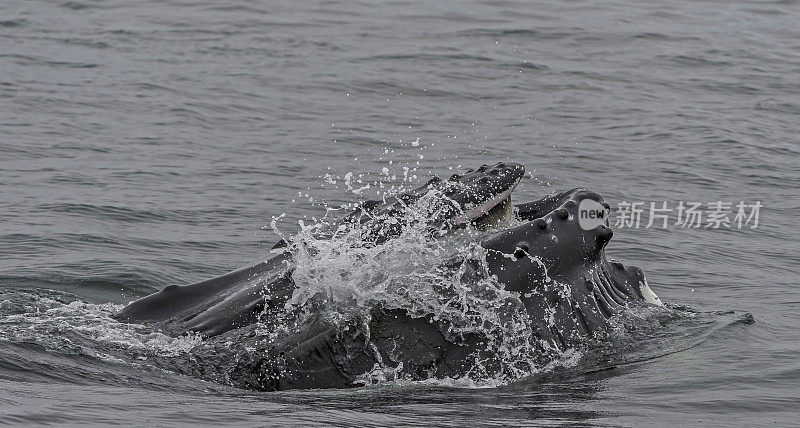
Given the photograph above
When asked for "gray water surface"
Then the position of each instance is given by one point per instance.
(151, 142)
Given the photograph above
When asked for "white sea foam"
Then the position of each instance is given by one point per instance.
(85, 328)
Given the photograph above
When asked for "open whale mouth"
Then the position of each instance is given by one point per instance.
(484, 195)
(490, 212)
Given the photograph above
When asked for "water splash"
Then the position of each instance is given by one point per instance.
(340, 277)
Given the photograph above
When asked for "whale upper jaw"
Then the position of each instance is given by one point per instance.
(475, 196)
(478, 192)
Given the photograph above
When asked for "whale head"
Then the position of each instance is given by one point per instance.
(560, 269)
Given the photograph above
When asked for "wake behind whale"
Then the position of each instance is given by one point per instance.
(447, 281)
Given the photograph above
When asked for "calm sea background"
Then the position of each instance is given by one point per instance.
(147, 143)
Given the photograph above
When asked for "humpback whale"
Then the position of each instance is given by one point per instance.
(548, 279)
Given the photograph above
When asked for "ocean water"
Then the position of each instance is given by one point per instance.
(152, 143)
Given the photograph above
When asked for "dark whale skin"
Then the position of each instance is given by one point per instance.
(217, 305)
